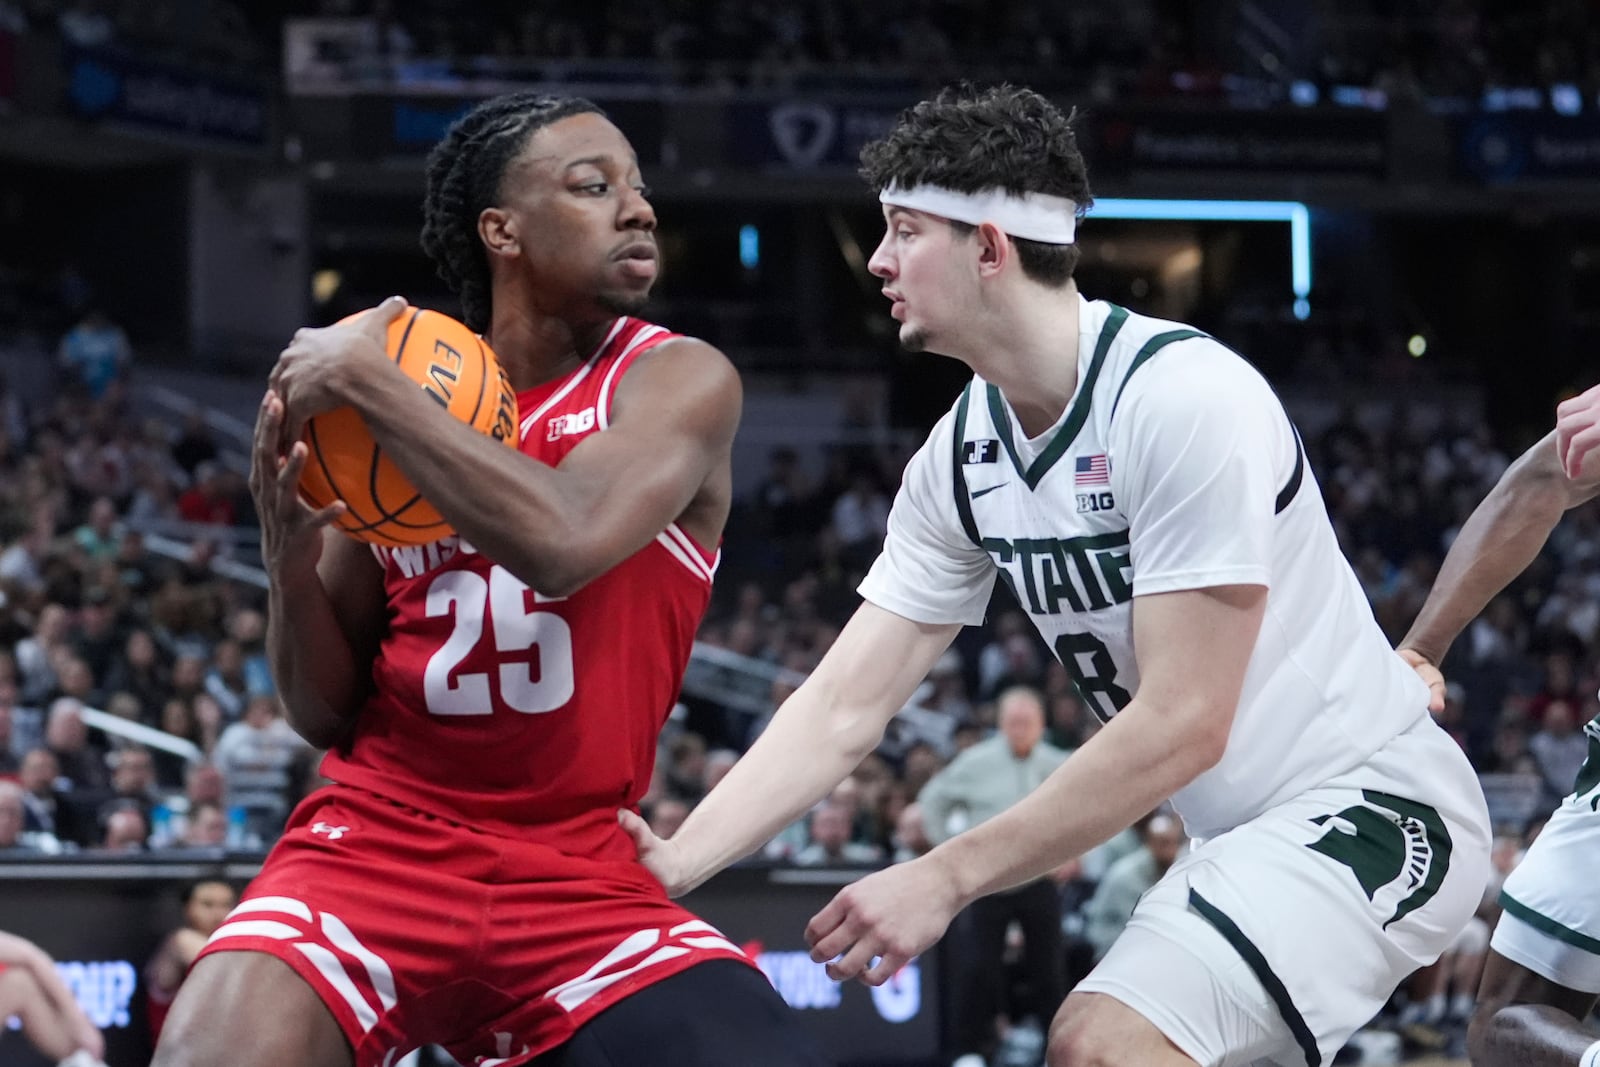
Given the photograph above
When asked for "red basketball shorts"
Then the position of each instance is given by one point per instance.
(416, 931)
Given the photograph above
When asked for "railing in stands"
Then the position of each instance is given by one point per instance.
(139, 733)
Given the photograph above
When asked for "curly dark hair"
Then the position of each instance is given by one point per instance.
(970, 139)
(464, 174)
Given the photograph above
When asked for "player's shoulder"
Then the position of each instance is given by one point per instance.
(641, 339)
(1162, 364)
(653, 360)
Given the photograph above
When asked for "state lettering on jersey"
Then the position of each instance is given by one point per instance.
(574, 422)
(1049, 575)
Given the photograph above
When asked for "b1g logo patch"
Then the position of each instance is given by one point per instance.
(1095, 502)
(564, 425)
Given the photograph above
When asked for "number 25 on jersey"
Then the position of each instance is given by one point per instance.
(532, 648)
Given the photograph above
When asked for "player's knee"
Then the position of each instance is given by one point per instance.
(1493, 1031)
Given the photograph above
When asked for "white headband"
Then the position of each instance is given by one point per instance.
(1033, 216)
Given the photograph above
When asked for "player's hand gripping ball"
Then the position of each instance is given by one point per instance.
(455, 368)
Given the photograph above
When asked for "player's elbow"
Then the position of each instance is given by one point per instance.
(1201, 735)
(852, 731)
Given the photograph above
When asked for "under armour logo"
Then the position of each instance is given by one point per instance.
(333, 832)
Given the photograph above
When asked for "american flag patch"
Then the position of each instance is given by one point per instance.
(1091, 470)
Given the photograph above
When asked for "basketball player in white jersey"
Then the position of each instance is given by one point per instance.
(1543, 973)
(1141, 491)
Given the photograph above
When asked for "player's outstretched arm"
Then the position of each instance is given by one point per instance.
(325, 602)
(1195, 646)
(1498, 541)
(672, 424)
(819, 735)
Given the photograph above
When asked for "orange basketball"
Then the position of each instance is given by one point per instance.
(454, 367)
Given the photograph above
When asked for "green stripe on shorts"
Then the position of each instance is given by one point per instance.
(1263, 972)
(1546, 925)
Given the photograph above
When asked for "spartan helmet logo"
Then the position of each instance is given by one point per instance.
(1397, 848)
(803, 132)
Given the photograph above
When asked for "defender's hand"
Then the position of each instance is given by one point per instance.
(1429, 674)
(888, 917)
(660, 856)
(1578, 431)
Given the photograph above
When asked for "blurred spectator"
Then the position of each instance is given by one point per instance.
(994, 774)
(249, 629)
(1126, 880)
(126, 830)
(225, 681)
(718, 763)
(1559, 748)
(686, 767)
(96, 638)
(979, 784)
(861, 516)
(666, 815)
(12, 816)
(196, 444)
(920, 763)
(67, 737)
(95, 353)
(43, 810)
(137, 669)
(27, 724)
(22, 563)
(133, 784)
(910, 836)
(257, 757)
(35, 653)
(10, 764)
(208, 500)
(829, 842)
(206, 904)
(206, 826)
(100, 537)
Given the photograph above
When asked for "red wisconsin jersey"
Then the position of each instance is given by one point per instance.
(523, 714)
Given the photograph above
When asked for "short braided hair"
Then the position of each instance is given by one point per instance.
(464, 174)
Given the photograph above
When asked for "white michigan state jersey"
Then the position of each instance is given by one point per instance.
(1174, 467)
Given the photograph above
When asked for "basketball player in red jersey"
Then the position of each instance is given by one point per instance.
(489, 700)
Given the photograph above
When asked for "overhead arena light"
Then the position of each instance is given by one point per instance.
(1296, 214)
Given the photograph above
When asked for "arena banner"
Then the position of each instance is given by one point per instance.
(1519, 145)
(1316, 143)
(386, 125)
(103, 918)
(804, 135)
(163, 97)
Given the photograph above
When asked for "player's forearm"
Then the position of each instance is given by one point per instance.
(312, 663)
(1137, 761)
(512, 508)
(1497, 542)
(806, 750)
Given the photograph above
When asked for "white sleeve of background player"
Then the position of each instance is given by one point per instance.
(1199, 449)
(929, 570)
